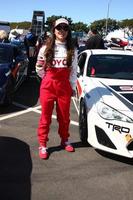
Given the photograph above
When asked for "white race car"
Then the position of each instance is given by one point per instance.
(105, 97)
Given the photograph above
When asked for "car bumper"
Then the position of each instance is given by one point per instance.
(110, 135)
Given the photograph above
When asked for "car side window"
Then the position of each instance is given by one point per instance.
(91, 66)
(81, 62)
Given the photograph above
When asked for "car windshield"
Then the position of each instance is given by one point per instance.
(111, 66)
(6, 54)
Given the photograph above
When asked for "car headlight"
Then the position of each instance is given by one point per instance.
(109, 113)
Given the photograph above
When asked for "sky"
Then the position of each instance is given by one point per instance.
(86, 11)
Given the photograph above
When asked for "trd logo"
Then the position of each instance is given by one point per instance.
(120, 129)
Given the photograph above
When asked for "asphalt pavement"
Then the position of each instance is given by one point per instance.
(86, 174)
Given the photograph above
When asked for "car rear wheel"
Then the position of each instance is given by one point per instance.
(9, 92)
(83, 132)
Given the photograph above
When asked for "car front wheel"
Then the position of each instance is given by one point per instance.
(83, 132)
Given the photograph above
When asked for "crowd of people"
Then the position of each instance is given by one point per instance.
(29, 42)
(33, 43)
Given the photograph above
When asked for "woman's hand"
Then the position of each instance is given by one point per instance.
(73, 93)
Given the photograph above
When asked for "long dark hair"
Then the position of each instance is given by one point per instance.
(49, 51)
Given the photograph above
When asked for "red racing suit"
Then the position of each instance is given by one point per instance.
(57, 85)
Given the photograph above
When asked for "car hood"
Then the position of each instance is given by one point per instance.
(115, 93)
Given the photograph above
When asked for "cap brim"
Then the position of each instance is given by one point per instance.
(61, 21)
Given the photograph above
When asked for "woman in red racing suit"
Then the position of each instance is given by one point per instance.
(57, 66)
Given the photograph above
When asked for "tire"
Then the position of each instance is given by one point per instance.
(8, 100)
(83, 130)
(9, 92)
(19, 82)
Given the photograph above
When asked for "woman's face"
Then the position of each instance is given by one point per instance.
(61, 32)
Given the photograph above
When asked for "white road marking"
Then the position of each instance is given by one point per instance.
(25, 107)
(76, 107)
(29, 109)
(16, 114)
(55, 117)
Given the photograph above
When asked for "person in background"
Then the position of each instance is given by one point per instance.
(15, 38)
(3, 36)
(41, 40)
(57, 66)
(30, 45)
(95, 40)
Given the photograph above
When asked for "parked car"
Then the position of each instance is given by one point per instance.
(105, 100)
(13, 70)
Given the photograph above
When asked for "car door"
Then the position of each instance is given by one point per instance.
(81, 72)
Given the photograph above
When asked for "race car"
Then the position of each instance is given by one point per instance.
(105, 100)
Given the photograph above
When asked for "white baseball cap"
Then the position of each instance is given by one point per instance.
(61, 21)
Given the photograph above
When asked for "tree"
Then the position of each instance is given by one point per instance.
(21, 25)
(80, 27)
(100, 25)
(126, 23)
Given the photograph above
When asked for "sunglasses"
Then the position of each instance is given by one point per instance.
(64, 28)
